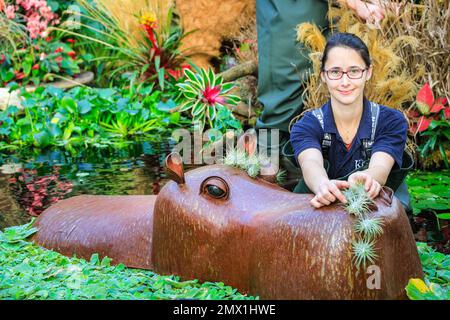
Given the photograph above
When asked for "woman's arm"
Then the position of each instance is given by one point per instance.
(326, 191)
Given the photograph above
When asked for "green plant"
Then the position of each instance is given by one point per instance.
(436, 267)
(144, 41)
(366, 228)
(430, 122)
(430, 191)
(85, 116)
(31, 272)
(206, 96)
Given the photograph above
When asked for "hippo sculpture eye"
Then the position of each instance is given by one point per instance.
(215, 187)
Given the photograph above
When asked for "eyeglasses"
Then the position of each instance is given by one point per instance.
(352, 73)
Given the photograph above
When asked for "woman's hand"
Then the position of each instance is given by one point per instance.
(372, 186)
(328, 192)
(369, 12)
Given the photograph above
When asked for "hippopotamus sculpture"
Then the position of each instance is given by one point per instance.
(215, 223)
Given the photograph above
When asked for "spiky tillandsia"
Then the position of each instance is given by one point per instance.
(241, 159)
(204, 94)
(370, 228)
(363, 252)
(358, 201)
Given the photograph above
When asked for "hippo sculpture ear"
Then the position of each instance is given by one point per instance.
(174, 168)
(248, 142)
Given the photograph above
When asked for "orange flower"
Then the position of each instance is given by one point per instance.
(2, 5)
(148, 19)
(71, 54)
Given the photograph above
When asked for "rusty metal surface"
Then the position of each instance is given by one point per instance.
(257, 237)
(119, 227)
(270, 242)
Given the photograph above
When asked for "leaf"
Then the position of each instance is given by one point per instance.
(41, 139)
(423, 124)
(198, 108)
(444, 216)
(425, 96)
(69, 104)
(84, 106)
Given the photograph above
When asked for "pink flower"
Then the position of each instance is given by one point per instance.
(19, 75)
(10, 12)
(2, 5)
(212, 96)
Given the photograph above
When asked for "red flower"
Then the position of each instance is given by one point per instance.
(59, 50)
(70, 40)
(59, 59)
(19, 75)
(71, 54)
(48, 39)
(2, 59)
(211, 96)
(35, 67)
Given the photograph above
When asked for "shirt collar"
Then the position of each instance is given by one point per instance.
(365, 126)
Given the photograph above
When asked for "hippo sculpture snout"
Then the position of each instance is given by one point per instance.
(215, 223)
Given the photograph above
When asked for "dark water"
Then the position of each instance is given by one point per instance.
(30, 185)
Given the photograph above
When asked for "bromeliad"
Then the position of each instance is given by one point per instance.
(204, 94)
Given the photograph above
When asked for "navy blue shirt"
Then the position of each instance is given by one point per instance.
(390, 137)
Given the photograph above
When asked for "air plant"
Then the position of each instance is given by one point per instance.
(358, 201)
(363, 251)
(204, 95)
(239, 158)
(370, 228)
(366, 228)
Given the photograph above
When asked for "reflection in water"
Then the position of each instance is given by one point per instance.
(28, 187)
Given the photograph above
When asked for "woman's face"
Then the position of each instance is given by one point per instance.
(346, 91)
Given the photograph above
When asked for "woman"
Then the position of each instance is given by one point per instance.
(362, 141)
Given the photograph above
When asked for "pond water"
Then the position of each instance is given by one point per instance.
(29, 185)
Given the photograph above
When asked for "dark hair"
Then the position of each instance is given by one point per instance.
(349, 40)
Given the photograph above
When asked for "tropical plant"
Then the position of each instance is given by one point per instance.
(42, 62)
(430, 122)
(85, 116)
(366, 228)
(29, 54)
(135, 35)
(436, 267)
(205, 95)
(36, 14)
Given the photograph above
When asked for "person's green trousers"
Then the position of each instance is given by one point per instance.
(281, 64)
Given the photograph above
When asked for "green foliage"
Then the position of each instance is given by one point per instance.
(115, 50)
(85, 117)
(430, 191)
(366, 228)
(28, 60)
(436, 267)
(31, 272)
(206, 96)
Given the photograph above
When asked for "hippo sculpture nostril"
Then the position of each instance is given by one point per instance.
(215, 223)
